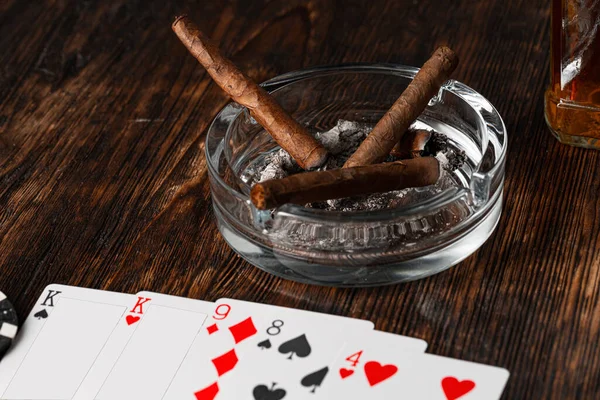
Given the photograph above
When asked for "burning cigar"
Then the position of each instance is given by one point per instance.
(314, 186)
(288, 133)
(406, 109)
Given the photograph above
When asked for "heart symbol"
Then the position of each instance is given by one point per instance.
(130, 319)
(377, 373)
(344, 373)
(453, 388)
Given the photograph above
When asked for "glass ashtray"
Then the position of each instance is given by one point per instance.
(413, 240)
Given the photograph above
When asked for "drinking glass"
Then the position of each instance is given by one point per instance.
(573, 97)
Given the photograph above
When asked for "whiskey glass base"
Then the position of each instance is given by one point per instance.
(572, 123)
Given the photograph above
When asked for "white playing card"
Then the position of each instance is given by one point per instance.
(239, 335)
(380, 369)
(59, 342)
(303, 379)
(140, 363)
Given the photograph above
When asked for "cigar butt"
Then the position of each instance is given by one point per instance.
(412, 144)
(316, 186)
(411, 103)
(288, 133)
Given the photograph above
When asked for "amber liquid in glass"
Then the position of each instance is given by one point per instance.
(573, 98)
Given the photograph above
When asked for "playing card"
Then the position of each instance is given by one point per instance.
(280, 343)
(302, 380)
(145, 351)
(381, 369)
(59, 342)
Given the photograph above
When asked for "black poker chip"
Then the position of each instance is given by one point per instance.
(9, 324)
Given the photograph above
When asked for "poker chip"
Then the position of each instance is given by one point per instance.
(9, 324)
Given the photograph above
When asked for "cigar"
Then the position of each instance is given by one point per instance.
(316, 186)
(411, 103)
(287, 132)
(412, 144)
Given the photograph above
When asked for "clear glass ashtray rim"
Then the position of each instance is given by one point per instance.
(475, 100)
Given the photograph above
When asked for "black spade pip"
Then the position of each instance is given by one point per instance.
(263, 392)
(314, 379)
(298, 346)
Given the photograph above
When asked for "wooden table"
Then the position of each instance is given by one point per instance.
(103, 180)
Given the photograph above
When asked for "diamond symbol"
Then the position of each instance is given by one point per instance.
(208, 393)
(225, 362)
(243, 330)
(212, 329)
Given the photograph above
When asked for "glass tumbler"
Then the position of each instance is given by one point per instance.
(573, 98)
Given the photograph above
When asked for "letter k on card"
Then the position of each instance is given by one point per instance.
(138, 308)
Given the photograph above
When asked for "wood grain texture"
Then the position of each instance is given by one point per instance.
(103, 180)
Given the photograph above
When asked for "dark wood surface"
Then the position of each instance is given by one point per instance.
(103, 181)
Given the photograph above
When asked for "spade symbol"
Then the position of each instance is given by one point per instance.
(41, 314)
(262, 392)
(298, 346)
(265, 344)
(315, 379)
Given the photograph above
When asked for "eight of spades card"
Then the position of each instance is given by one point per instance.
(273, 376)
(60, 341)
(144, 353)
(381, 369)
(268, 342)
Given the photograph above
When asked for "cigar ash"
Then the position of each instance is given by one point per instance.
(341, 141)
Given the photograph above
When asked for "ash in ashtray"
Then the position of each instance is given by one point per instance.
(341, 141)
